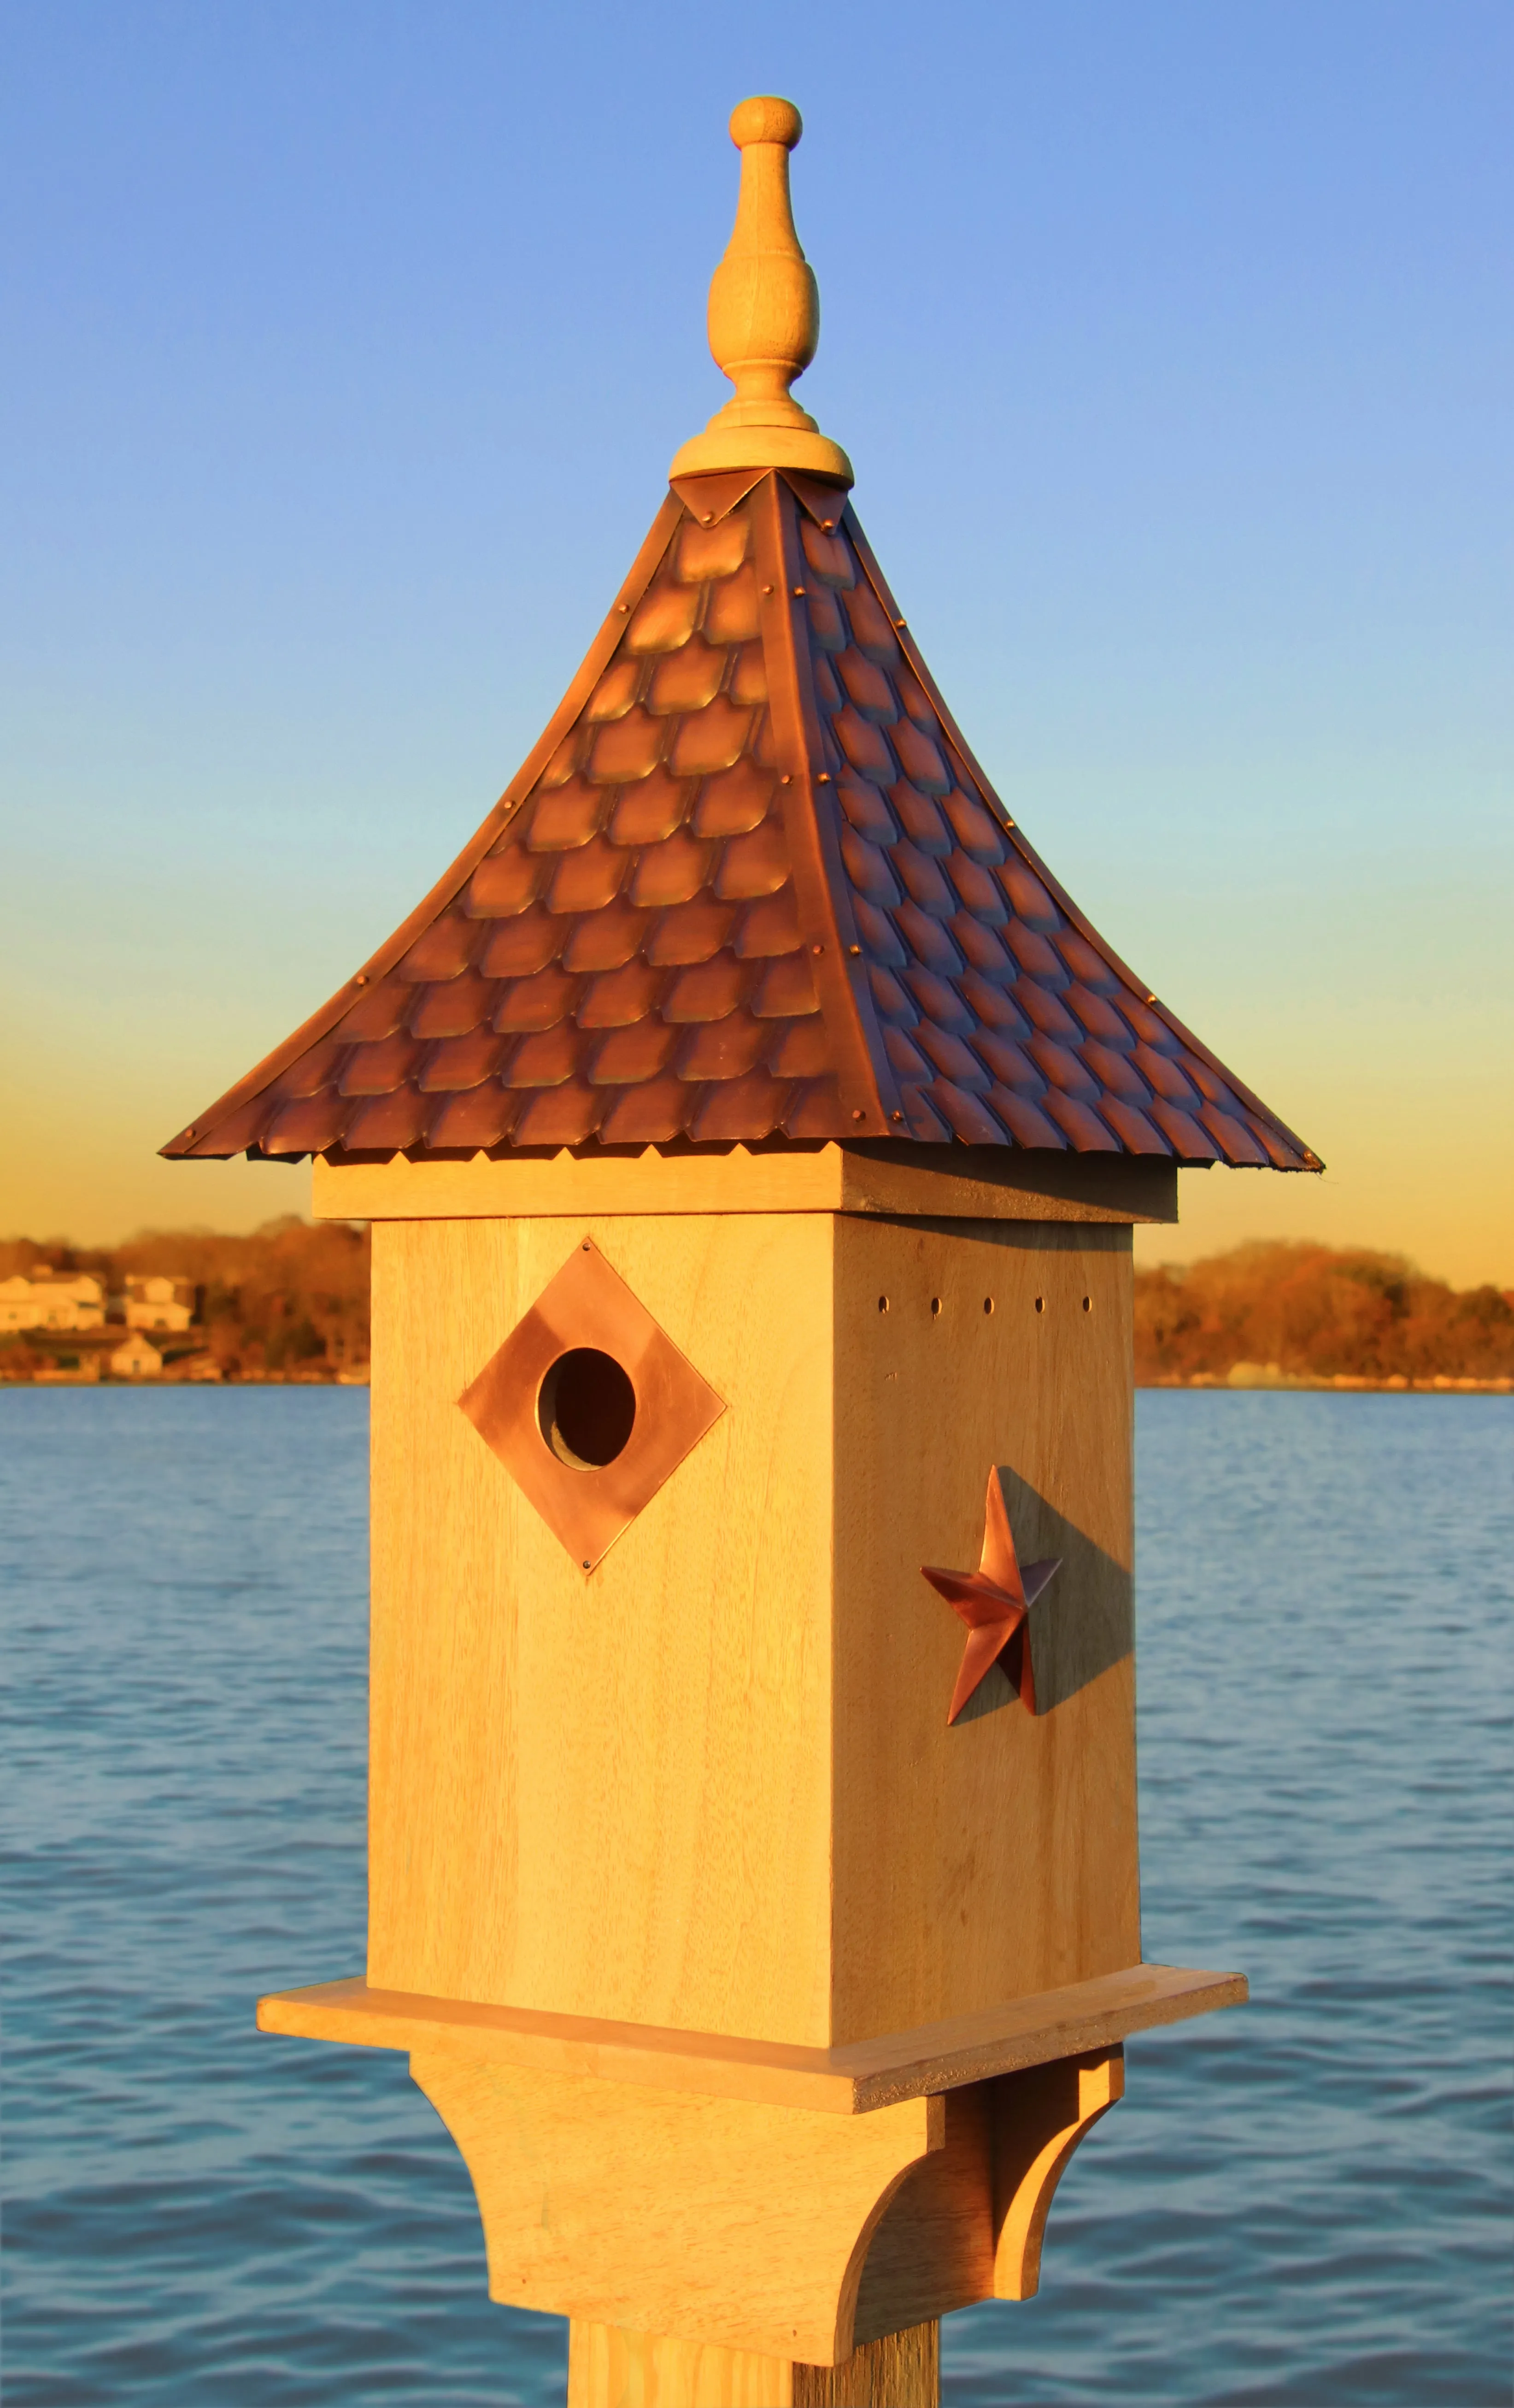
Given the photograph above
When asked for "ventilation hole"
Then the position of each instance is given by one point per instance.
(935, 1307)
(988, 1304)
(1040, 1304)
(586, 1409)
(1087, 1304)
(882, 1304)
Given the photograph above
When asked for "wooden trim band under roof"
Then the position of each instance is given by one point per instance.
(941, 1182)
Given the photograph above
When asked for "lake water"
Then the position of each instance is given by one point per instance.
(1306, 2201)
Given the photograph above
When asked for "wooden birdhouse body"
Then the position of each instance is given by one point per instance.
(711, 1786)
(752, 1131)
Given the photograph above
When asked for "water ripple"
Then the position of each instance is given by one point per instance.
(1306, 2202)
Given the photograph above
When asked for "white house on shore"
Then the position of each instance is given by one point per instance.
(50, 1300)
(157, 1301)
(137, 1358)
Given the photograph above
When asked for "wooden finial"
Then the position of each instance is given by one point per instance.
(764, 316)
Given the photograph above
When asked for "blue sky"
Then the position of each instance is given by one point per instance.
(350, 345)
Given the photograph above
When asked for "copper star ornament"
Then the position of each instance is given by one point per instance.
(995, 1602)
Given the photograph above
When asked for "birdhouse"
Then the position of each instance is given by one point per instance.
(752, 1130)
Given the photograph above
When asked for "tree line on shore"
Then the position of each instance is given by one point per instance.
(1310, 1312)
(291, 1299)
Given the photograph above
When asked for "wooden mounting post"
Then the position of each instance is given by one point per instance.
(611, 2368)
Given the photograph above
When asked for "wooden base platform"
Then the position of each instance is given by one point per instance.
(714, 2213)
(848, 2080)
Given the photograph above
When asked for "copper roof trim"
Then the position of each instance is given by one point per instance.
(868, 1087)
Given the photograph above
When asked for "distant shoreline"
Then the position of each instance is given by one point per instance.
(1214, 1383)
(1343, 1382)
(290, 1306)
(174, 1379)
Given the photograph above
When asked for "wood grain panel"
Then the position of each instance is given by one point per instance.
(607, 1794)
(443, 1803)
(981, 1863)
(902, 2371)
(611, 2368)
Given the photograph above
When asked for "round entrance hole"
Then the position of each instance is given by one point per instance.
(586, 1409)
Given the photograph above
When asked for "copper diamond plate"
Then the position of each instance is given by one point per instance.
(589, 1305)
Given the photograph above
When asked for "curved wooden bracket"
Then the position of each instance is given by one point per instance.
(1040, 2117)
(966, 2221)
(716, 2219)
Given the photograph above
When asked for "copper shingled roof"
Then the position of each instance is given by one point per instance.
(751, 881)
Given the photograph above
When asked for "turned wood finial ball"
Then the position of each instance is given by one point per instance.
(766, 118)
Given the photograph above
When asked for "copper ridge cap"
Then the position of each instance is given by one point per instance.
(764, 316)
